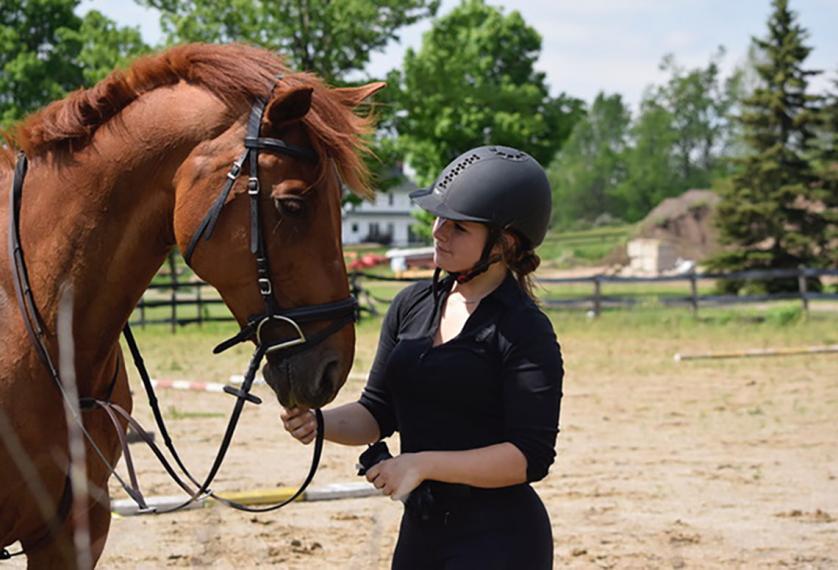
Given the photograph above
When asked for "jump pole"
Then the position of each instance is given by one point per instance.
(758, 352)
(217, 387)
(335, 491)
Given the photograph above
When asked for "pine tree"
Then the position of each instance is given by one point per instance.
(772, 215)
(827, 165)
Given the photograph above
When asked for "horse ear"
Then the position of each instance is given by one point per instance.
(289, 105)
(354, 96)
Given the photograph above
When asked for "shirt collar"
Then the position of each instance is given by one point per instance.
(508, 292)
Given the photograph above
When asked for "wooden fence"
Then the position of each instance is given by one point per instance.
(187, 300)
(599, 299)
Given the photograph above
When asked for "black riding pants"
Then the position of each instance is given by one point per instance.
(499, 529)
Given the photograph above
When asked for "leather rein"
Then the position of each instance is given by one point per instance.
(341, 312)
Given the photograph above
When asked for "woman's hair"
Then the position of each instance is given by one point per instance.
(522, 260)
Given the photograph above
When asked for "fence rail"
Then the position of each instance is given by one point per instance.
(598, 300)
(176, 295)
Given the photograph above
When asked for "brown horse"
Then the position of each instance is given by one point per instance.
(118, 175)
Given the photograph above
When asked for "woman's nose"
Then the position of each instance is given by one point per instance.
(440, 229)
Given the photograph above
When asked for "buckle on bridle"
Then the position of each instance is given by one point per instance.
(235, 170)
(265, 287)
(286, 344)
(253, 186)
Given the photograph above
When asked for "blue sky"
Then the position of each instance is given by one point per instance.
(610, 45)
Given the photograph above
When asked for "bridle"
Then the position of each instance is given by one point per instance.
(342, 313)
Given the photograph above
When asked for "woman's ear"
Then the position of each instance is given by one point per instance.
(508, 242)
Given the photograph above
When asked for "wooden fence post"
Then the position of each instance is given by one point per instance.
(694, 292)
(801, 283)
(173, 272)
(198, 289)
(597, 299)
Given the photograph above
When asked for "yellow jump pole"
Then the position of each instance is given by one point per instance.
(332, 492)
(756, 352)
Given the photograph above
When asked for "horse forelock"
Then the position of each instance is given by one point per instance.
(235, 73)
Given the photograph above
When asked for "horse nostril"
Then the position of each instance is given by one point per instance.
(329, 378)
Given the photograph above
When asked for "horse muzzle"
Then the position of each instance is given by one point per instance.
(309, 379)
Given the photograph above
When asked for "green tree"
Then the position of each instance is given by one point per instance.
(699, 106)
(651, 174)
(328, 37)
(105, 45)
(473, 82)
(827, 169)
(35, 64)
(773, 214)
(590, 168)
(47, 50)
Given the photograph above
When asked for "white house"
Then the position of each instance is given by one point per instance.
(386, 220)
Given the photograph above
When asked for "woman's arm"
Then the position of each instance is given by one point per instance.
(499, 465)
(349, 424)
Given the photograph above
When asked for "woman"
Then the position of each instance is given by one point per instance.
(469, 372)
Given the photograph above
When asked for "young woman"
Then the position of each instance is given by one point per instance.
(469, 373)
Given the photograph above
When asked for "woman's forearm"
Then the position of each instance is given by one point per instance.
(499, 465)
(350, 424)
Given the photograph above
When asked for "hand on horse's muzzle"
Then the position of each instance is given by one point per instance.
(300, 423)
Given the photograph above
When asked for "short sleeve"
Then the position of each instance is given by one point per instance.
(532, 391)
(376, 397)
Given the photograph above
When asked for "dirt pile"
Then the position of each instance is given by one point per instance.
(686, 222)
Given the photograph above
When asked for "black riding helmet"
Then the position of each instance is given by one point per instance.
(500, 186)
(497, 185)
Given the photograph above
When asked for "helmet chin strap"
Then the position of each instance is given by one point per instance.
(481, 267)
(486, 258)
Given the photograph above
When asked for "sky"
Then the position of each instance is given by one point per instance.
(606, 45)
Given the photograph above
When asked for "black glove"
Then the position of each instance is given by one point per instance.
(375, 454)
(420, 500)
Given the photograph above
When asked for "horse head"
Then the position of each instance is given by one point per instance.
(299, 219)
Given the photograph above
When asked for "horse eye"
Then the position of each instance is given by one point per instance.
(290, 207)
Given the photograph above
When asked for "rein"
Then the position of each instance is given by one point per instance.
(342, 313)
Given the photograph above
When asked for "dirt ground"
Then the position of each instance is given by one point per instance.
(707, 464)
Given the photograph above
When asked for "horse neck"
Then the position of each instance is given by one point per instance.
(101, 219)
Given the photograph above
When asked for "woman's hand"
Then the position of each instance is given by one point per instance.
(300, 423)
(398, 476)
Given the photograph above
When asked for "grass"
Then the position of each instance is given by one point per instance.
(187, 354)
(569, 249)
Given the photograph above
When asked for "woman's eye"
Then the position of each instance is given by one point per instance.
(290, 207)
(459, 228)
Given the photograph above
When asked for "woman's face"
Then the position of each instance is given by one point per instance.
(458, 245)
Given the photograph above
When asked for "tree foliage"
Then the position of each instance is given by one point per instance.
(826, 165)
(679, 139)
(776, 212)
(590, 166)
(473, 82)
(328, 37)
(47, 50)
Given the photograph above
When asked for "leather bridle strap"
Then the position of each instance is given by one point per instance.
(208, 224)
(343, 312)
(32, 320)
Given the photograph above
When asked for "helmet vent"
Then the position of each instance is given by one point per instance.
(516, 155)
(457, 170)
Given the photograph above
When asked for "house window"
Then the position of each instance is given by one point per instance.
(374, 231)
(355, 228)
(390, 199)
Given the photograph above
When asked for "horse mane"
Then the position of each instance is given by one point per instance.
(235, 73)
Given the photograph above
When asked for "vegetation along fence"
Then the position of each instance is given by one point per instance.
(176, 297)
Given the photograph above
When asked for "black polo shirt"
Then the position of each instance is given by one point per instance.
(499, 380)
